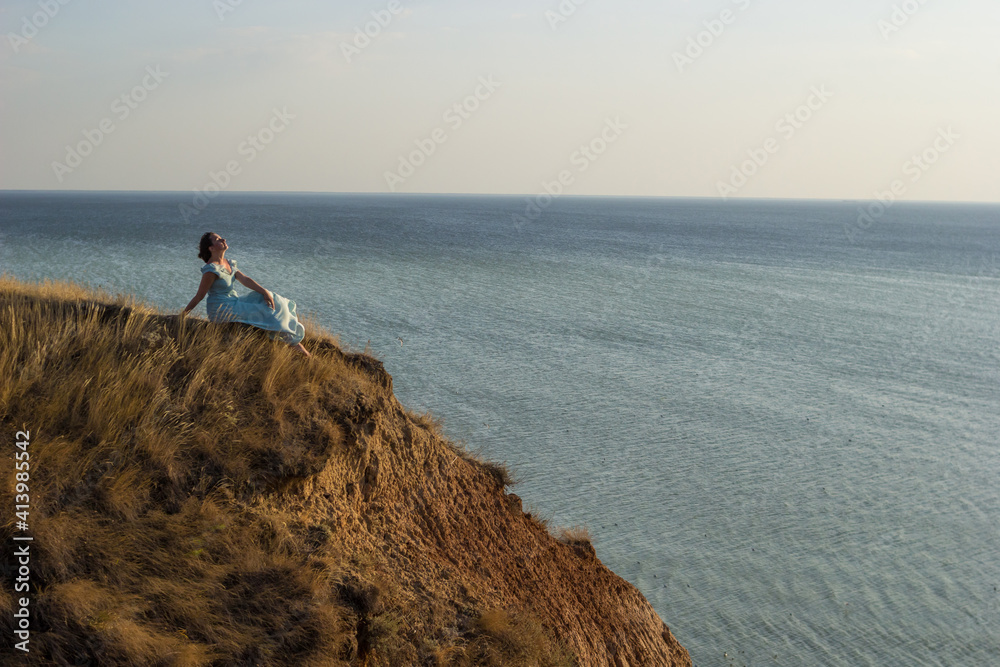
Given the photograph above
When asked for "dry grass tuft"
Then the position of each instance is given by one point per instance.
(427, 421)
(537, 517)
(579, 539)
(501, 473)
(514, 639)
(576, 536)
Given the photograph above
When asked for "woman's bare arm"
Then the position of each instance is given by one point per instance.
(250, 283)
(207, 279)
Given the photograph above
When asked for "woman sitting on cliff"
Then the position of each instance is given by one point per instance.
(261, 308)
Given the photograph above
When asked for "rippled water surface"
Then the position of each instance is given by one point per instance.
(781, 426)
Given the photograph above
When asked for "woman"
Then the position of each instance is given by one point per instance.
(257, 308)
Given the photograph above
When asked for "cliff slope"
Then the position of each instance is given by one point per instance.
(200, 495)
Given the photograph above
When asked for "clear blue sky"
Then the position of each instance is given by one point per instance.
(661, 117)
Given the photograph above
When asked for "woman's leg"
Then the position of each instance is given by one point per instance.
(298, 346)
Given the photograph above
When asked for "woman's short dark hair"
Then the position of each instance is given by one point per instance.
(203, 248)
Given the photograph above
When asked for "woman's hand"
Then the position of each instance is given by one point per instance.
(268, 299)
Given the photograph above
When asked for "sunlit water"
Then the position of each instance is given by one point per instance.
(781, 427)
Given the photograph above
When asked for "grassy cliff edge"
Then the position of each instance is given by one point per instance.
(201, 495)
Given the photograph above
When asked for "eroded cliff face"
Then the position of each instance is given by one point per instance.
(443, 523)
(203, 496)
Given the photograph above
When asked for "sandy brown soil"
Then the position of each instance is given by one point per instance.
(443, 523)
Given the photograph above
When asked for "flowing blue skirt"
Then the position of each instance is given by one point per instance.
(281, 323)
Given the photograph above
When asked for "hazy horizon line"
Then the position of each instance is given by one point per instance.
(529, 196)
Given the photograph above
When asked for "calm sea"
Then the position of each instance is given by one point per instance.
(781, 425)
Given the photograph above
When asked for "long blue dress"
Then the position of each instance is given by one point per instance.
(225, 305)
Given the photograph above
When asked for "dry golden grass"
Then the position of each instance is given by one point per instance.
(501, 473)
(159, 449)
(541, 519)
(514, 639)
(575, 536)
